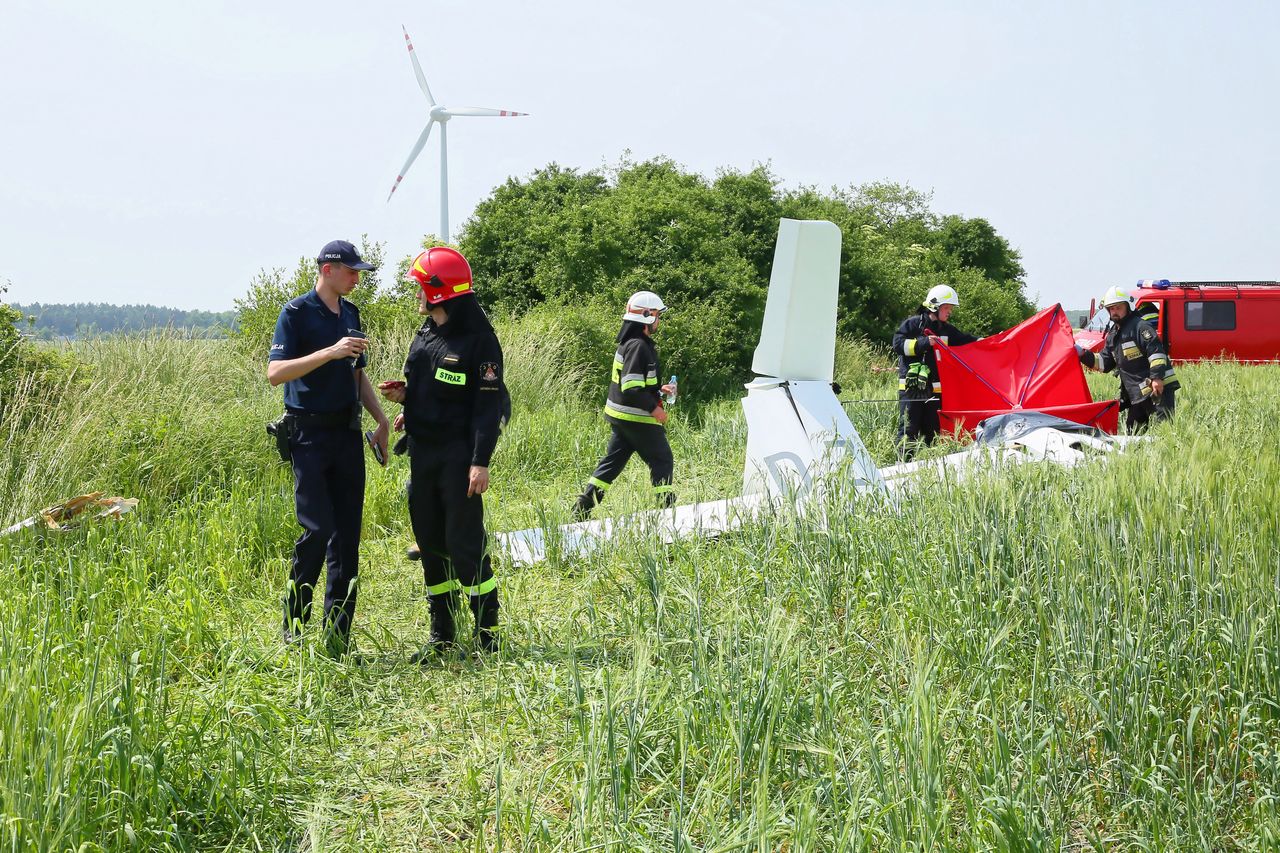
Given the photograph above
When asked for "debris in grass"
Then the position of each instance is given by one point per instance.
(69, 513)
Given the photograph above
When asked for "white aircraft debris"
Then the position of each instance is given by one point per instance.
(802, 448)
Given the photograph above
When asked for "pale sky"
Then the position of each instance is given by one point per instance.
(165, 153)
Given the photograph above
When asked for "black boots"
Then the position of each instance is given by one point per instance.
(441, 637)
(485, 609)
(587, 501)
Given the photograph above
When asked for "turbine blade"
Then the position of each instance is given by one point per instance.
(417, 69)
(481, 111)
(413, 155)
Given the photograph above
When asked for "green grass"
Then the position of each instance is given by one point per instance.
(1048, 659)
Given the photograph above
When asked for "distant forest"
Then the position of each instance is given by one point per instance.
(86, 319)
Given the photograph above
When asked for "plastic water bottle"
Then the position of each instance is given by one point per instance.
(671, 398)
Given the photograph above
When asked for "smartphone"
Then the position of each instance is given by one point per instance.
(377, 451)
(355, 333)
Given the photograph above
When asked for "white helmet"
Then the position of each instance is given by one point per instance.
(644, 307)
(939, 295)
(1116, 295)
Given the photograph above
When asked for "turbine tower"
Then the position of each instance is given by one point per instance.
(439, 115)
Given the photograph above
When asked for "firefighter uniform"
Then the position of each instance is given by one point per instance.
(455, 399)
(919, 389)
(1134, 350)
(1150, 312)
(635, 391)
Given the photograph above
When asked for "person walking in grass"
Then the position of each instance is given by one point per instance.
(455, 405)
(1133, 349)
(319, 353)
(634, 407)
(919, 389)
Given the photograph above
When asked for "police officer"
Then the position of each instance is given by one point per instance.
(919, 391)
(634, 407)
(318, 352)
(455, 404)
(1134, 350)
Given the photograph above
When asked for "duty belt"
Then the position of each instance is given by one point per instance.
(345, 419)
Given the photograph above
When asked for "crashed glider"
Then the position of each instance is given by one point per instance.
(801, 445)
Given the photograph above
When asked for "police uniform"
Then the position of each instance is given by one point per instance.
(634, 392)
(327, 458)
(918, 408)
(454, 406)
(1134, 350)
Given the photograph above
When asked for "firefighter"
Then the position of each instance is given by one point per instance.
(455, 404)
(318, 353)
(1134, 350)
(919, 391)
(634, 407)
(1150, 313)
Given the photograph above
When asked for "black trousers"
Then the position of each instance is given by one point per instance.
(448, 525)
(328, 472)
(648, 440)
(1138, 417)
(917, 423)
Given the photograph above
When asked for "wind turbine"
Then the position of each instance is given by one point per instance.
(439, 115)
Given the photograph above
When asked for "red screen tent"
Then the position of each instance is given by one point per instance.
(1032, 366)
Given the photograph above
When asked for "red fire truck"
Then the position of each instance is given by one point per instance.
(1238, 320)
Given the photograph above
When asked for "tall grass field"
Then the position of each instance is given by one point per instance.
(1036, 659)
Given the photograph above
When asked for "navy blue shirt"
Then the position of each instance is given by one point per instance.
(306, 325)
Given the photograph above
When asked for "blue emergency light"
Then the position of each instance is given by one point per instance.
(1155, 283)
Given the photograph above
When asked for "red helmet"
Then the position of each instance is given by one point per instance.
(442, 273)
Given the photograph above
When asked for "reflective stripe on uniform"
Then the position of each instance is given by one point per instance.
(598, 483)
(481, 588)
(909, 346)
(662, 490)
(1156, 360)
(937, 387)
(441, 588)
(628, 413)
(902, 386)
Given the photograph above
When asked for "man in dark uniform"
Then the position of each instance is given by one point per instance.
(919, 390)
(1150, 313)
(318, 352)
(633, 408)
(455, 405)
(1134, 350)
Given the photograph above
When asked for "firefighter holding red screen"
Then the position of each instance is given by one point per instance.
(919, 389)
(1134, 350)
(455, 403)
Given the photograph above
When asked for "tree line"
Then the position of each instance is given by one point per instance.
(576, 243)
(86, 319)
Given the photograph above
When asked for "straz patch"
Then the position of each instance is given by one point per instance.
(489, 371)
(448, 377)
(1130, 350)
